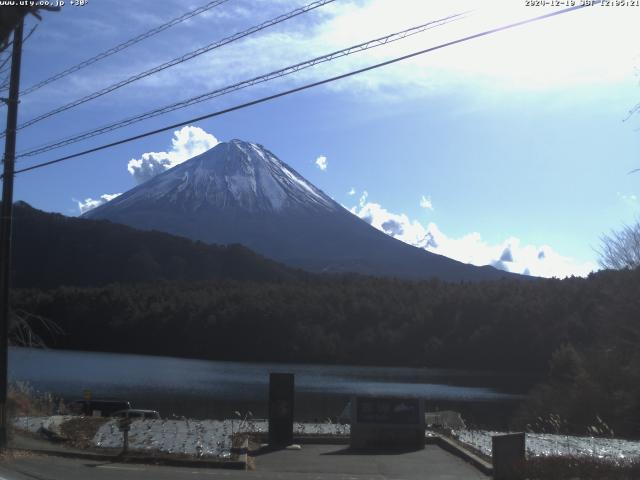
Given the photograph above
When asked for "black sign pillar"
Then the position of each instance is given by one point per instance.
(508, 452)
(281, 395)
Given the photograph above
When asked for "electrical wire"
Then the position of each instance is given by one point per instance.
(4, 68)
(123, 45)
(176, 61)
(393, 37)
(304, 87)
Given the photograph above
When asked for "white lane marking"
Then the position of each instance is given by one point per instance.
(115, 467)
(218, 473)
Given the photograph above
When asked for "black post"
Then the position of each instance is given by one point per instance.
(508, 453)
(124, 424)
(5, 224)
(281, 404)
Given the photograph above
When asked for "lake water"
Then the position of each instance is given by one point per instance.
(208, 389)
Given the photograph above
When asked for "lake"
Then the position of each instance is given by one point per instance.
(211, 389)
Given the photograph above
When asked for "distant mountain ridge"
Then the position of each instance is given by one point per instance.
(51, 250)
(240, 192)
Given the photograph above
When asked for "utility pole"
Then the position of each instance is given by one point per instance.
(5, 224)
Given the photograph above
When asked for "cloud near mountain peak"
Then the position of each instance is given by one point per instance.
(186, 143)
(509, 255)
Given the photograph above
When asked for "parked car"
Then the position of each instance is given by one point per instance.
(134, 413)
(102, 408)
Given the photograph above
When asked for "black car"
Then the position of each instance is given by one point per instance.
(98, 408)
(135, 413)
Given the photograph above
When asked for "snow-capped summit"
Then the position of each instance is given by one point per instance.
(233, 174)
(240, 192)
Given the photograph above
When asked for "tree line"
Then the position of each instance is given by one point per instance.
(502, 325)
(99, 286)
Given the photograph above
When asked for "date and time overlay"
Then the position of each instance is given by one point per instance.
(526, 3)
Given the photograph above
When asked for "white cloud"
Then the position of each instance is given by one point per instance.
(425, 202)
(397, 225)
(187, 142)
(363, 198)
(535, 56)
(351, 192)
(509, 255)
(629, 199)
(321, 162)
(532, 57)
(90, 203)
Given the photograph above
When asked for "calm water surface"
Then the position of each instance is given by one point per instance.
(208, 389)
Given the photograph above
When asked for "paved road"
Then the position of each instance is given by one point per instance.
(336, 461)
(317, 462)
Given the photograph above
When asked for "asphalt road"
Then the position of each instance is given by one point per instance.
(317, 462)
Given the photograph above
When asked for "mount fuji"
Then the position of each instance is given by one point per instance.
(240, 192)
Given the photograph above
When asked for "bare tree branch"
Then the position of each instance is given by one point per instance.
(22, 329)
(621, 249)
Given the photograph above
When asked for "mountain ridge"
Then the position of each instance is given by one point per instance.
(240, 192)
(52, 250)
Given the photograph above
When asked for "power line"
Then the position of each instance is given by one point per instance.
(7, 69)
(123, 45)
(305, 87)
(178, 60)
(393, 37)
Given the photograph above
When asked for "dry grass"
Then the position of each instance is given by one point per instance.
(80, 431)
(22, 400)
(10, 455)
(583, 468)
(238, 439)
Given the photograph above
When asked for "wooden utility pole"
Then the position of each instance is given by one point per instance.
(5, 224)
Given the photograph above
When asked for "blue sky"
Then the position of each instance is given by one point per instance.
(512, 146)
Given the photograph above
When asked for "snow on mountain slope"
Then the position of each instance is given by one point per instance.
(235, 174)
(239, 192)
